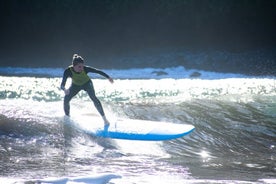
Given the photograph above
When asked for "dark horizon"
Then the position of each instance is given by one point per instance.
(47, 33)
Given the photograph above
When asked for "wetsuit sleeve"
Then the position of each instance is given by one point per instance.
(88, 69)
(66, 74)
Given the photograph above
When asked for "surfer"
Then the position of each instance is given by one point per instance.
(81, 81)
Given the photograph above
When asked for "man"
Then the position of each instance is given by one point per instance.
(81, 81)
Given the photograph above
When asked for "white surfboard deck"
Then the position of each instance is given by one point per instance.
(133, 129)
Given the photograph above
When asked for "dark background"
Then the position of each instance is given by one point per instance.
(46, 33)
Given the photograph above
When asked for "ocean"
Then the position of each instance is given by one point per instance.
(234, 140)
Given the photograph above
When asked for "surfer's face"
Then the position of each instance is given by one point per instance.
(78, 67)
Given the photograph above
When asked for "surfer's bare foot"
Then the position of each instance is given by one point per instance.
(106, 122)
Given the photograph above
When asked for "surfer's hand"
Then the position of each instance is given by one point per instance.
(66, 91)
(110, 80)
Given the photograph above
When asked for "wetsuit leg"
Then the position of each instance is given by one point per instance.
(88, 87)
(66, 103)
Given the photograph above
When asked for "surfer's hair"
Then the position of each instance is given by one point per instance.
(77, 59)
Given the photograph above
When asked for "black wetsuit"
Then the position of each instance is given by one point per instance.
(81, 81)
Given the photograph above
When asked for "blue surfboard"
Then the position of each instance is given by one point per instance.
(132, 129)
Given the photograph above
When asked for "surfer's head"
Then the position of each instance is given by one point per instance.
(77, 59)
(77, 63)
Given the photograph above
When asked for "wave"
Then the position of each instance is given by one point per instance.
(134, 73)
(157, 91)
(242, 132)
(234, 120)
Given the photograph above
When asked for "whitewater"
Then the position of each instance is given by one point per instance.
(233, 142)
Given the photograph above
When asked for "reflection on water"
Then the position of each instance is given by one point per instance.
(234, 139)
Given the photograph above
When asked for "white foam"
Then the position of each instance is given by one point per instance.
(97, 179)
(133, 73)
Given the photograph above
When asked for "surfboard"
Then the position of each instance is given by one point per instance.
(133, 129)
